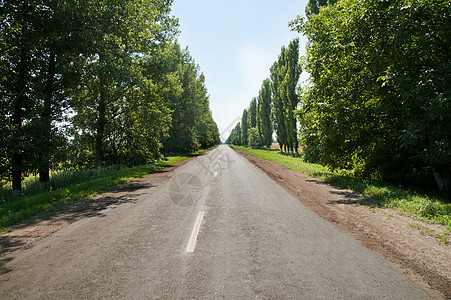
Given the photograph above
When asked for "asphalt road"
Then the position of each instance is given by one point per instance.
(218, 228)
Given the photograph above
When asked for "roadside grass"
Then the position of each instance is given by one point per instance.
(441, 237)
(66, 187)
(433, 209)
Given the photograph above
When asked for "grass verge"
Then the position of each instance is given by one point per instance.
(421, 206)
(65, 187)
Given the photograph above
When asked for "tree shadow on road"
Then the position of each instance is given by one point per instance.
(46, 223)
(3, 262)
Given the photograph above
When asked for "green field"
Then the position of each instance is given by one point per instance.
(428, 208)
(65, 187)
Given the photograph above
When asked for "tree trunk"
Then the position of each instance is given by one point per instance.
(46, 121)
(443, 179)
(17, 157)
(296, 146)
(19, 105)
(17, 168)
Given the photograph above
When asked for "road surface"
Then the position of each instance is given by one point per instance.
(217, 228)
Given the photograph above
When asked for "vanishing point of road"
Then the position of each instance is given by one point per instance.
(216, 228)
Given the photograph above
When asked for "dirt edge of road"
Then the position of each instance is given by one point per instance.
(398, 238)
(36, 228)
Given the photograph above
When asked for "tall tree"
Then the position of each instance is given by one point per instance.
(244, 127)
(117, 30)
(208, 132)
(278, 115)
(285, 74)
(238, 134)
(114, 63)
(290, 82)
(392, 116)
(19, 35)
(264, 113)
(56, 74)
(252, 114)
(254, 138)
(190, 108)
(235, 136)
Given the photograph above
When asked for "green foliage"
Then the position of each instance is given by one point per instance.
(379, 103)
(313, 6)
(274, 108)
(254, 138)
(244, 128)
(285, 74)
(432, 209)
(252, 115)
(192, 124)
(114, 81)
(256, 127)
(88, 84)
(264, 124)
(235, 136)
(22, 67)
(208, 132)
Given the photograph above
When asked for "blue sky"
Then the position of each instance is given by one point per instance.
(235, 43)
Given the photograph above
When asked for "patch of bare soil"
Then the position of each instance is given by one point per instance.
(406, 242)
(34, 229)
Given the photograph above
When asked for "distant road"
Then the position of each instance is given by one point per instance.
(218, 228)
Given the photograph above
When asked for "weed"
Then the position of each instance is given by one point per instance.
(6, 230)
(442, 238)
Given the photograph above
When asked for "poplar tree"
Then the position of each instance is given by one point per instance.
(244, 127)
(285, 74)
(252, 114)
(291, 79)
(238, 134)
(278, 115)
(265, 128)
(235, 135)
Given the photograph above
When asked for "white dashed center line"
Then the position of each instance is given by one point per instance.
(193, 238)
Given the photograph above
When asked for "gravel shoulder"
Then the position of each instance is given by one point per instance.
(398, 238)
